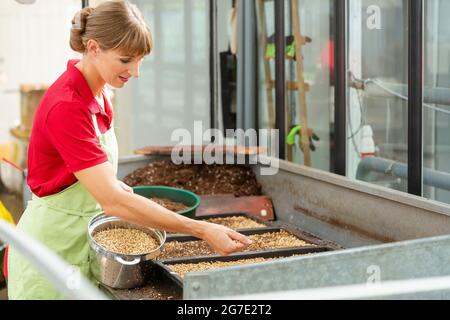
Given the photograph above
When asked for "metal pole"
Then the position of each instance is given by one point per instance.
(250, 65)
(84, 3)
(378, 88)
(213, 89)
(240, 114)
(340, 88)
(415, 102)
(68, 281)
(280, 114)
(395, 289)
(433, 178)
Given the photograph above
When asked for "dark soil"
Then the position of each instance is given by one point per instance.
(171, 205)
(159, 287)
(201, 179)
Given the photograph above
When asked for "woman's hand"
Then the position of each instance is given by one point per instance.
(224, 240)
(125, 187)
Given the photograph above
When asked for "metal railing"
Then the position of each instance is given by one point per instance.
(55, 269)
(360, 291)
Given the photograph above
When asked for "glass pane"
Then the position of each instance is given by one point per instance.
(200, 27)
(173, 88)
(227, 61)
(436, 112)
(266, 29)
(172, 40)
(377, 102)
(309, 93)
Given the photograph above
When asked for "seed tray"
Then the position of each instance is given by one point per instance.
(296, 233)
(299, 234)
(239, 214)
(227, 215)
(306, 236)
(162, 266)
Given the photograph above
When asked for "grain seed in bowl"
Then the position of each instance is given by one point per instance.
(126, 241)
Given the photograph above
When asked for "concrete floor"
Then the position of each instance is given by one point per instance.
(3, 294)
(13, 203)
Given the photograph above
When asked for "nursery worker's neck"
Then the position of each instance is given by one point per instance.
(90, 73)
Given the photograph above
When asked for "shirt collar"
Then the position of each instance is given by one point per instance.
(83, 89)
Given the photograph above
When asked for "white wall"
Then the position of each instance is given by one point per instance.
(34, 47)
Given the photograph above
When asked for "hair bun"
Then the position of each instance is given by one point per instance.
(79, 23)
(80, 20)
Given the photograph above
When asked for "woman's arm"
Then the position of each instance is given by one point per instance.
(102, 183)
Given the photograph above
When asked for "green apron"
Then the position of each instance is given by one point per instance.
(60, 222)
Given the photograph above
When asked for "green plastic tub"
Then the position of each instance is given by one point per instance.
(178, 195)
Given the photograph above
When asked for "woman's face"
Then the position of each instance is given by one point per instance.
(116, 68)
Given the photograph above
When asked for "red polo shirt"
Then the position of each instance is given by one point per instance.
(63, 139)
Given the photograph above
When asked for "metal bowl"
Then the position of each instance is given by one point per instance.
(120, 271)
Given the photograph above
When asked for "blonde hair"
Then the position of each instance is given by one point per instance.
(115, 25)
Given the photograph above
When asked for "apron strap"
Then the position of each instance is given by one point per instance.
(94, 120)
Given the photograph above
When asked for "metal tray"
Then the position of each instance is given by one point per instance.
(162, 268)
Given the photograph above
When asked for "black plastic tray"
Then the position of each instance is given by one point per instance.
(226, 215)
(237, 214)
(306, 236)
(161, 266)
(298, 233)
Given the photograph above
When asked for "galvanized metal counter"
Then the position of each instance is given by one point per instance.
(350, 213)
(370, 219)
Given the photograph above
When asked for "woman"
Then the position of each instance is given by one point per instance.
(72, 156)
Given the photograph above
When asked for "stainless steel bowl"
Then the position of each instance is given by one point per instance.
(120, 271)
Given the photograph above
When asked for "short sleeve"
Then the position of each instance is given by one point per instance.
(70, 129)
